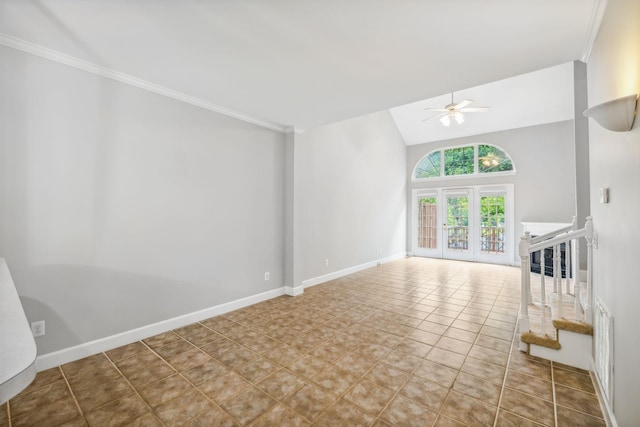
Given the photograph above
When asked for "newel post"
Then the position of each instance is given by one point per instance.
(525, 286)
(588, 308)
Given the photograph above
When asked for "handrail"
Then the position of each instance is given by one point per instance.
(550, 234)
(554, 240)
(557, 240)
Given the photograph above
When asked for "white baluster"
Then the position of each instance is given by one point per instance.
(567, 267)
(571, 255)
(554, 258)
(557, 277)
(576, 283)
(543, 285)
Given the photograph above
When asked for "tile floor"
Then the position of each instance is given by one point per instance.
(416, 342)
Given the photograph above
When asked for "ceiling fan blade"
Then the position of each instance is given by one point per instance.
(440, 110)
(436, 116)
(474, 110)
(463, 104)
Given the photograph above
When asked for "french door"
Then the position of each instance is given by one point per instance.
(472, 224)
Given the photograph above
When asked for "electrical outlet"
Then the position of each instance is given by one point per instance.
(37, 328)
(266, 275)
(326, 263)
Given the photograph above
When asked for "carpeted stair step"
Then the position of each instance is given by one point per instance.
(544, 340)
(573, 326)
(541, 340)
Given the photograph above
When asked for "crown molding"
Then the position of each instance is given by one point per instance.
(71, 61)
(597, 13)
(294, 130)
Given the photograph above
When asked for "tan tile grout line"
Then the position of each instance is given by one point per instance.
(412, 373)
(576, 389)
(135, 390)
(183, 377)
(348, 389)
(438, 414)
(253, 384)
(495, 299)
(66, 380)
(497, 295)
(9, 413)
(555, 402)
(361, 377)
(178, 373)
(506, 373)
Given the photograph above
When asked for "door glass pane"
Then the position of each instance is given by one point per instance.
(458, 223)
(427, 223)
(492, 225)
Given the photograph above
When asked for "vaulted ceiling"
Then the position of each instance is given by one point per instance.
(303, 63)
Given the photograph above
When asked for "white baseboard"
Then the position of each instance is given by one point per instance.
(90, 348)
(610, 419)
(340, 273)
(293, 291)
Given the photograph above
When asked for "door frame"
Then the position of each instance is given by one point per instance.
(419, 193)
(476, 192)
(469, 253)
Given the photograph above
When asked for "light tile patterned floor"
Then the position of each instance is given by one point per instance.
(416, 342)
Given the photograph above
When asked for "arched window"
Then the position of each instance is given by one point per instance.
(467, 160)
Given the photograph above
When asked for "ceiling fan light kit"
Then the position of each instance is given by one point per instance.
(453, 115)
(490, 160)
(454, 112)
(617, 115)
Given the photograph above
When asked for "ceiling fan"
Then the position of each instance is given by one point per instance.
(454, 111)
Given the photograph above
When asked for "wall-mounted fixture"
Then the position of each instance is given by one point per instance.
(617, 115)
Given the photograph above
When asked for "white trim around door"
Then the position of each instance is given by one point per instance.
(472, 223)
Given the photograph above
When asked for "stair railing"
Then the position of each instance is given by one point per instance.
(569, 236)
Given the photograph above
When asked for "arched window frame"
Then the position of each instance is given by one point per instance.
(476, 173)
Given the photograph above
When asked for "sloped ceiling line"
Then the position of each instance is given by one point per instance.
(52, 55)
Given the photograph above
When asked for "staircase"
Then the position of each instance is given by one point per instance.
(556, 314)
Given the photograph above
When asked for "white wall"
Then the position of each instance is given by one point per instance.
(120, 208)
(350, 195)
(544, 183)
(614, 71)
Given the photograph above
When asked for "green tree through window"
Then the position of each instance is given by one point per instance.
(493, 159)
(458, 161)
(429, 166)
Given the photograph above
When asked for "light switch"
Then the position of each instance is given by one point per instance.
(604, 195)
